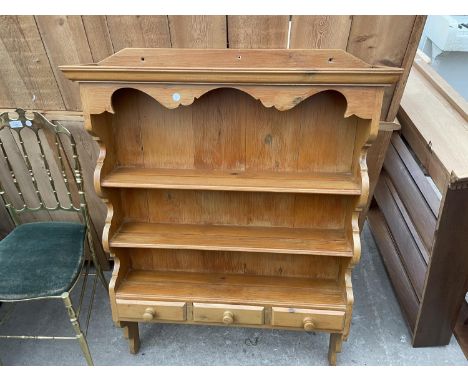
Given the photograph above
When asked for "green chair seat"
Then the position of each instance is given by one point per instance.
(40, 259)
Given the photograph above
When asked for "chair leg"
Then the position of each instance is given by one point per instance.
(97, 266)
(131, 333)
(336, 340)
(76, 327)
(101, 277)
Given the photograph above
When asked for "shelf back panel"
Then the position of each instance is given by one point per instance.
(227, 129)
(259, 264)
(236, 208)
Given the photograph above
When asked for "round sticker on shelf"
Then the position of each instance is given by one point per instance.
(176, 97)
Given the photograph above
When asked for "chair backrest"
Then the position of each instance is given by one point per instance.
(39, 168)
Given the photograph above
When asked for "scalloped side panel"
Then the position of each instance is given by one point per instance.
(360, 204)
(98, 169)
(107, 224)
(118, 273)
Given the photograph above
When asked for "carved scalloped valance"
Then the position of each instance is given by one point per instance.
(281, 97)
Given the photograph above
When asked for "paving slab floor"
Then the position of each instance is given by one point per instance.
(379, 334)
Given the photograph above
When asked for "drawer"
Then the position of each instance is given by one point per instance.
(308, 319)
(228, 314)
(152, 310)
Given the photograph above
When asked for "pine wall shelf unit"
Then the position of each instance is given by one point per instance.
(233, 180)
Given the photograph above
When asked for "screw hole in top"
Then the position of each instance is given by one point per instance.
(239, 57)
(142, 59)
(330, 60)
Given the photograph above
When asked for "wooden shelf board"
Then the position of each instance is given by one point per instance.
(222, 59)
(232, 288)
(326, 242)
(294, 66)
(323, 183)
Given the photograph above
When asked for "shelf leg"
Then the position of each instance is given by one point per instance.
(131, 333)
(336, 340)
(339, 344)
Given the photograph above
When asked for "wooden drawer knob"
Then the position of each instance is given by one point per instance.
(228, 317)
(149, 314)
(308, 324)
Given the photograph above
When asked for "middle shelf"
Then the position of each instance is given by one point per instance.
(306, 241)
(190, 179)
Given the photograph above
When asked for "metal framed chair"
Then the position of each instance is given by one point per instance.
(44, 259)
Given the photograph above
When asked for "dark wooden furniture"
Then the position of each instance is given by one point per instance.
(420, 219)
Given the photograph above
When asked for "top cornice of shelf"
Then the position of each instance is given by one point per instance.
(275, 66)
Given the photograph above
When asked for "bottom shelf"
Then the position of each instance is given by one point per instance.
(233, 289)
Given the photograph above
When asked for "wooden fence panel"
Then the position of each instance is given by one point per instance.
(26, 76)
(381, 40)
(139, 32)
(407, 62)
(99, 39)
(65, 41)
(320, 32)
(251, 32)
(198, 31)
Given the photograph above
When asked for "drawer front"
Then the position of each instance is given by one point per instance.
(308, 319)
(152, 310)
(228, 314)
